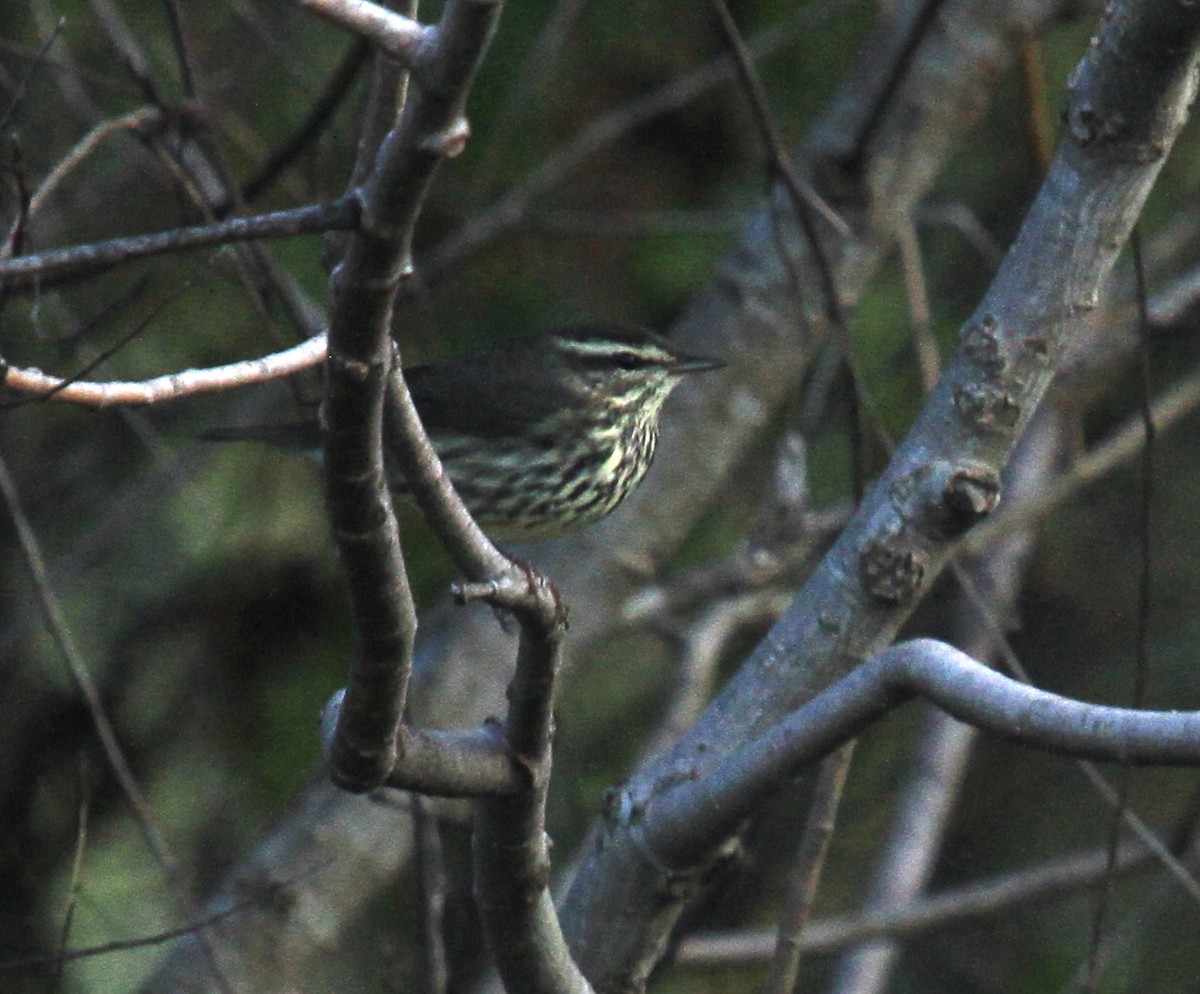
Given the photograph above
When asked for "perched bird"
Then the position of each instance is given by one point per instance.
(538, 434)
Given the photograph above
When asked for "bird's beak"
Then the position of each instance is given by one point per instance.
(694, 364)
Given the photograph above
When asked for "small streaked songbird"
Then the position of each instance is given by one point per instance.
(539, 434)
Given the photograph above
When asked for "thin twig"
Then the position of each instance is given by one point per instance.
(924, 343)
(183, 57)
(65, 642)
(806, 872)
(431, 867)
(81, 834)
(185, 383)
(101, 357)
(22, 87)
(315, 121)
(121, 945)
(134, 57)
(132, 121)
(43, 268)
(1141, 667)
(802, 192)
(989, 897)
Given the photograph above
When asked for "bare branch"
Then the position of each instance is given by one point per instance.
(684, 822)
(39, 269)
(804, 195)
(399, 36)
(443, 762)
(363, 287)
(989, 897)
(83, 148)
(945, 476)
(314, 123)
(186, 383)
(512, 855)
(806, 871)
(1122, 445)
(21, 963)
(84, 684)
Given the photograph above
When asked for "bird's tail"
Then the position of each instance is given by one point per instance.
(299, 436)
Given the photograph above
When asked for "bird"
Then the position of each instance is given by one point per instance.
(539, 434)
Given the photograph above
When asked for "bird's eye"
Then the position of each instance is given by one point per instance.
(628, 360)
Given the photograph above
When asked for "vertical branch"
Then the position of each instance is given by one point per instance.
(432, 883)
(806, 872)
(1141, 667)
(432, 126)
(512, 856)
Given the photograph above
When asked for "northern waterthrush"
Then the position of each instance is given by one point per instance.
(538, 434)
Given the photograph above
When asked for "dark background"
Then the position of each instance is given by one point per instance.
(200, 583)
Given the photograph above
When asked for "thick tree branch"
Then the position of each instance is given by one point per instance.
(685, 821)
(1128, 100)
(432, 126)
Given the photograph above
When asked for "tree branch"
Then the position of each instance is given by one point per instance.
(399, 36)
(511, 849)
(39, 269)
(988, 897)
(1128, 100)
(137, 393)
(432, 126)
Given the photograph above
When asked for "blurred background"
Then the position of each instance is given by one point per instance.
(199, 581)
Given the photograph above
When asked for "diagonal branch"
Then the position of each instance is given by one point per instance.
(944, 477)
(992, 896)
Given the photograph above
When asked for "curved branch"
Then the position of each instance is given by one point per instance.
(138, 393)
(399, 36)
(687, 820)
(474, 762)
